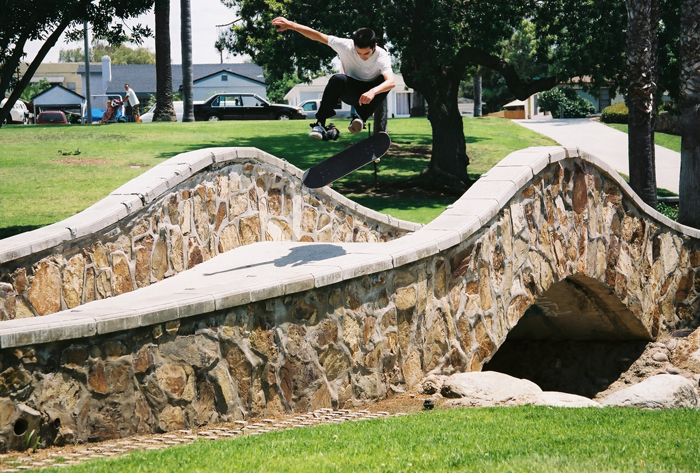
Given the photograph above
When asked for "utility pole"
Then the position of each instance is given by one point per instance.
(88, 114)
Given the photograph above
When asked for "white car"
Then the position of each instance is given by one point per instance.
(310, 107)
(179, 111)
(18, 114)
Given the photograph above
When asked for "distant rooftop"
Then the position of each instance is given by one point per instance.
(142, 77)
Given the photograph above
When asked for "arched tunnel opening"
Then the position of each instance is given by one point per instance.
(576, 338)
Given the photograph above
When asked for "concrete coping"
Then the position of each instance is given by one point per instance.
(274, 269)
(131, 197)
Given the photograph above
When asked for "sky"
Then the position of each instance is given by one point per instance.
(206, 14)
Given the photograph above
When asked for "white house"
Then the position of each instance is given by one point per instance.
(58, 98)
(226, 81)
(399, 101)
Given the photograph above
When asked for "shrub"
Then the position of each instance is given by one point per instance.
(616, 113)
(554, 100)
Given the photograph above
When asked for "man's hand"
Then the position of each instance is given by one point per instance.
(367, 97)
(283, 24)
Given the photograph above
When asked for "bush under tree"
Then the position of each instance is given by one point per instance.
(615, 113)
(557, 100)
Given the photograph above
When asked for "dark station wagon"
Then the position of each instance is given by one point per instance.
(243, 107)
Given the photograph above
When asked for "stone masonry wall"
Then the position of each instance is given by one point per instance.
(362, 339)
(211, 213)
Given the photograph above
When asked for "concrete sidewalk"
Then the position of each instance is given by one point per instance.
(606, 143)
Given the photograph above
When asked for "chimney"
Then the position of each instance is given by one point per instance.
(106, 73)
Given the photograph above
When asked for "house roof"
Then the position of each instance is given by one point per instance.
(142, 77)
(53, 88)
(230, 72)
(515, 103)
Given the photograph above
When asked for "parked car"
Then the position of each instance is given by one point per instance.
(179, 112)
(18, 113)
(310, 107)
(52, 117)
(243, 107)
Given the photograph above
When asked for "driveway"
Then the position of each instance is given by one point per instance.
(605, 143)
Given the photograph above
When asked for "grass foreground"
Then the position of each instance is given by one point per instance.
(48, 173)
(506, 439)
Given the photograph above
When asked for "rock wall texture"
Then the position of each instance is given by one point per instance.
(358, 340)
(219, 209)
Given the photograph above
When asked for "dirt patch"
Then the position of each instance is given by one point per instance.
(82, 161)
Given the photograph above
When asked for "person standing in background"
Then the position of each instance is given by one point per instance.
(132, 104)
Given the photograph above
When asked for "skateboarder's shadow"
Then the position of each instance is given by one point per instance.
(297, 256)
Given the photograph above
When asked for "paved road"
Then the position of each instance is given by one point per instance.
(605, 143)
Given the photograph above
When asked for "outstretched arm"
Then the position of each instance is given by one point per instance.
(284, 24)
(388, 84)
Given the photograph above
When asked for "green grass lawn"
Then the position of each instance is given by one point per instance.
(671, 142)
(39, 185)
(515, 439)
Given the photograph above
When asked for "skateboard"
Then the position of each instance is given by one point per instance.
(349, 160)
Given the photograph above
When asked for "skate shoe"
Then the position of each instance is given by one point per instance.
(324, 133)
(356, 126)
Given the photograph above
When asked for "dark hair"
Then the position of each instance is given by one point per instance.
(364, 38)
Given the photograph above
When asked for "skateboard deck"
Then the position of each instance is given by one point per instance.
(350, 159)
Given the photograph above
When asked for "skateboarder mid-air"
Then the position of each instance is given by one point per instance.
(364, 83)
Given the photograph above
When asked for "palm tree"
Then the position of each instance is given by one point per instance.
(187, 72)
(164, 112)
(643, 76)
(689, 187)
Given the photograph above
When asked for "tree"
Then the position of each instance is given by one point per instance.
(632, 50)
(165, 111)
(435, 42)
(689, 189)
(119, 54)
(187, 70)
(22, 21)
(643, 76)
(35, 88)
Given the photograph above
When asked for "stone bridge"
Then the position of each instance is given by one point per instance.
(214, 287)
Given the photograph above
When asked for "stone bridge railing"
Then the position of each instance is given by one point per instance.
(290, 326)
(187, 210)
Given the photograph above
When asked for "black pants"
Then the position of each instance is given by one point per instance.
(349, 90)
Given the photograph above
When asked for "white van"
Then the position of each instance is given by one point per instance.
(18, 114)
(179, 111)
(342, 110)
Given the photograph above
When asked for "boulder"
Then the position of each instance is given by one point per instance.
(557, 399)
(664, 391)
(490, 387)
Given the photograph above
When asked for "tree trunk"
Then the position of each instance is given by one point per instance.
(448, 160)
(476, 78)
(689, 188)
(187, 71)
(643, 77)
(164, 112)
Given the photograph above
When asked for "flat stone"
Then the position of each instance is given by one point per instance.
(489, 386)
(557, 399)
(664, 391)
(659, 356)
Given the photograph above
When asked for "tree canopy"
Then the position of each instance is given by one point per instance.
(119, 54)
(587, 38)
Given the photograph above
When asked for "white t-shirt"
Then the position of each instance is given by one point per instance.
(377, 65)
(133, 101)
